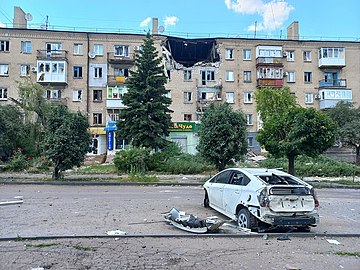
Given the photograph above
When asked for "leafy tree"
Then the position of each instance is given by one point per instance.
(222, 135)
(298, 131)
(66, 139)
(271, 101)
(348, 119)
(12, 130)
(146, 120)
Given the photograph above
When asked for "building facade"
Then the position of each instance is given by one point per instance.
(88, 71)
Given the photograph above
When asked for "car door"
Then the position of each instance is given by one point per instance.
(232, 192)
(216, 189)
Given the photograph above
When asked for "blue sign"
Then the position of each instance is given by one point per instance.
(110, 140)
(110, 126)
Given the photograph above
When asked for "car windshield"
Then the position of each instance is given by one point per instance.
(274, 179)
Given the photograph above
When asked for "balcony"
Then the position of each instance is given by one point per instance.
(116, 80)
(51, 72)
(120, 59)
(341, 83)
(203, 104)
(57, 101)
(331, 57)
(330, 97)
(269, 61)
(270, 83)
(52, 55)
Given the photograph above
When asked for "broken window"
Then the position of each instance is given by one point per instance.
(187, 75)
(248, 97)
(249, 119)
(229, 54)
(187, 97)
(187, 117)
(207, 75)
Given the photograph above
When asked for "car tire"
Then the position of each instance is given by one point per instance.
(304, 229)
(245, 219)
(206, 200)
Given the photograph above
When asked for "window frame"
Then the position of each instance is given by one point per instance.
(247, 54)
(98, 72)
(187, 75)
(77, 70)
(187, 117)
(122, 50)
(230, 101)
(245, 75)
(78, 49)
(97, 119)
(290, 56)
(99, 94)
(3, 93)
(26, 47)
(188, 98)
(307, 77)
(248, 97)
(290, 74)
(4, 46)
(4, 70)
(229, 54)
(249, 119)
(24, 70)
(309, 98)
(98, 49)
(229, 76)
(76, 94)
(307, 56)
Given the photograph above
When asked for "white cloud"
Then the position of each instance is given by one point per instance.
(274, 14)
(170, 20)
(145, 23)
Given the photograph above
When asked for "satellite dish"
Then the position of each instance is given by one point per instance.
(161, 29)
(28, 17)
(92, 55)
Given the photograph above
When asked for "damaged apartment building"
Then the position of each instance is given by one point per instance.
(87, 71)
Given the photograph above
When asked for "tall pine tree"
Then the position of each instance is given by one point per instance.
(146, 120)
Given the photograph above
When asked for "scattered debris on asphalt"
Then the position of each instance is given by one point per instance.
(283, 238)
(116, 232)
(18, 200)
(191, 223)
(333, 241)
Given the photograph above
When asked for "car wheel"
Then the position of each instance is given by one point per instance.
(206, 200)
(245, 219)
(304, 229)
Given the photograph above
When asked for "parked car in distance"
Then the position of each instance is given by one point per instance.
(259, 198)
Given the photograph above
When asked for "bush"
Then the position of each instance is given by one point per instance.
(320, 166)
(18, 161)
(158, 159)
(133, 160)
(186, 164)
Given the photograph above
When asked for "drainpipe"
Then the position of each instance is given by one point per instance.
(87, 76)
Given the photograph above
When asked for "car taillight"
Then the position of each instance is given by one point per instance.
(313, 193)
(263, 198)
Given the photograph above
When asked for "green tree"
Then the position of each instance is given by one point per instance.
(270, 101)
(298, 131)
(222, 135)
(146, 120)
(66, 139)
(348, 119)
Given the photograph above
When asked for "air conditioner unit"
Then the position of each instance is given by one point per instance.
(317, 96)
(34, 69)
(284, 54)
(92, 55)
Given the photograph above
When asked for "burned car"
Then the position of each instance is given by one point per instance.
(261, 198)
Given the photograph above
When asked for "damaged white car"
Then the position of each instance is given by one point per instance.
(260, 198)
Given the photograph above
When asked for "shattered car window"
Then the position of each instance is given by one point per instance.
(275, 179)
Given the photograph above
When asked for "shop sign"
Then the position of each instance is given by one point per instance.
(110, 140)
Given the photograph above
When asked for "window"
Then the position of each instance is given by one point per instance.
(307, 56)
(4, 70)
(121, 50)
(290, 56)
(25, 46)
(308, 77)
(247, 54)
(77, 72)
(187, 97)
(78, 49)
(97, 118)
(248, 97)
(53, 48)
(230, 97)
(77, 95)
(121, 72)
(3, 94)
(309, 98)
(52, 94)
(4, 45)
(249, 119)
(332, 53)
(229, 76)
(99, 49)
(247, 76)
(250, 141)
(290, 77)
(98, 72)
(187, 117)
(24, 70)
(229, 54)
(187, 75)
(207, 75)
(113, 114)
(97, 95)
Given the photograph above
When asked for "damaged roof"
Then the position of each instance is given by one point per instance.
(188, 52)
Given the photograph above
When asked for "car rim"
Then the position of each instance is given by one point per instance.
(242, 221)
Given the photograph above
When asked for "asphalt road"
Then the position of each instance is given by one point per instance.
(93, 210)
(49, 210)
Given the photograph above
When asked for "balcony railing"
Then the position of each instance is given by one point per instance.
(116, 80)
(275, 61)
(341, 83)
(121, 59)
(54, 54)
(270, 82)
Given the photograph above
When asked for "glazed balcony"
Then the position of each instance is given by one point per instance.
(121, 59)
(270, 82)
(269, 61)
(330, 97)
(340, 83)
(116, 80)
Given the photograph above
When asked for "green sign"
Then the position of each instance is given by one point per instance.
(184, 126)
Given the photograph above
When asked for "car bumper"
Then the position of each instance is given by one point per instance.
(303, 220)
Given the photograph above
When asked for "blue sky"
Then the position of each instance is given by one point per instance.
(318, 19)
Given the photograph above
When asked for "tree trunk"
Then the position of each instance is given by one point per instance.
(357, 157)
(57, 172)
(291, 169)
